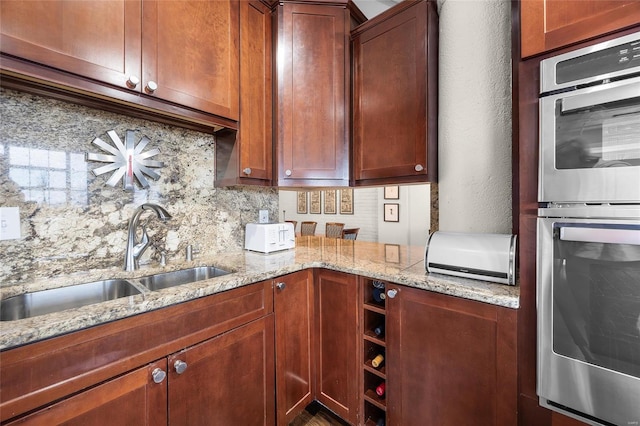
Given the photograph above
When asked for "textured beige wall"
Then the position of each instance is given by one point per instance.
(475, 116)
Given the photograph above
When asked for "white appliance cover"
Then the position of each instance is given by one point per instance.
(269, 237)
(488, 257)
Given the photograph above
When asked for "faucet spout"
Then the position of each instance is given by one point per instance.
(135, 248)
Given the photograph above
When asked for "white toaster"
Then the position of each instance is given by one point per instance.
(488, 257)
(269, 237)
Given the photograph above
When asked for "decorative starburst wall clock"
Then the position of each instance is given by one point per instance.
(127, 160)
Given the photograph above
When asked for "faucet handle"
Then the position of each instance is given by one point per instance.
(190, 251)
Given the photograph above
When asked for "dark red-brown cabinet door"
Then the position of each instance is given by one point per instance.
(337, 332)
(131, 399)
(95, 39)
(295, 344)
(312, 60)
(551, 24)
(190, 53)
(449, 360)
(227, 380)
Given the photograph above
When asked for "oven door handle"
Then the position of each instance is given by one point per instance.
(600, 235)
(601, 96)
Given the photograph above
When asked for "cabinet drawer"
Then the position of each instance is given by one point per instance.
(36, 374)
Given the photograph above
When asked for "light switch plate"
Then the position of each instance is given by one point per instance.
(9, 223)
(264, 216)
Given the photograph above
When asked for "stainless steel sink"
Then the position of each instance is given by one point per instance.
(183, 276)
(58, 299)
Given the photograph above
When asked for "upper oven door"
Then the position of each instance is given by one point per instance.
(590, 144)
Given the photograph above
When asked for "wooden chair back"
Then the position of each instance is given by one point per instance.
(308, 228)
(350, 234)
(333, 230)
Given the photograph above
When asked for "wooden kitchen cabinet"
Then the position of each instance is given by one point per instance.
(190, 50)
(336, 327)
(98, 40)
(295, 344)
(131, 399)
(229, 378)
(109, 368)
(245, 157)
(181, 52)
(312, 94)
(449, 360)
(446, 360)
(395, 79)
(547, 25)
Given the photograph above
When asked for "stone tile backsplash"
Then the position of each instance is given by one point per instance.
(72, 221)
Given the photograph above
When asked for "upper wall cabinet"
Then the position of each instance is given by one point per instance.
(552, 24)
(184, 52)
(395, 114)
(312, 94)
(245, 157)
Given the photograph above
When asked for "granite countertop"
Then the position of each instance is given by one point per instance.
(390, 262)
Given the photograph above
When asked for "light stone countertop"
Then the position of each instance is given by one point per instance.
(389, 262)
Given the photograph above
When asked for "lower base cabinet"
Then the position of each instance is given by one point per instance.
(203, 362)
(336, 328)
(259, 354)
(209, 383)
(450, 361)
(131, 399)
(226, 381)
(293, 303)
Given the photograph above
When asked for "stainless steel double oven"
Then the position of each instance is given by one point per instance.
(588, 255)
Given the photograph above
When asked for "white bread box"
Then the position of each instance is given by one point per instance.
(269, 237)
(487, 257)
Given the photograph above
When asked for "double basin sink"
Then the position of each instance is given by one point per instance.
(59, 299)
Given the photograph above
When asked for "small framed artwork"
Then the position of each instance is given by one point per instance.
(314, 202)
(346, 201)
(302, 202)
(392, 192)
(392, 253)
(391, 213)
(330, 204)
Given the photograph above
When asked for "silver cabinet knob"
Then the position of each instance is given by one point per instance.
(392, 293)
(158, 375)
(419, 168)
(287, 172)
(246, 171)
(280, 286)
(133, 81)
(180, 366)
(151, 86)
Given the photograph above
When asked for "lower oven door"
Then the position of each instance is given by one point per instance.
(588, 295)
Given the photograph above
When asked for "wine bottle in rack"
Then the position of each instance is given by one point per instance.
(377, 360)
(378, 291)
(380, 390)
(380, 422)
(379, 330)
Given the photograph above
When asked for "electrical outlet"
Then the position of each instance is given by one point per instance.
(264, 216)
(9, 223)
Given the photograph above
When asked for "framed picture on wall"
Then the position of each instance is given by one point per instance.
(391, 213)
(392, 253)
(302, 202)
(346, 201)
(330, 204)
(314, 202)
(392, 192)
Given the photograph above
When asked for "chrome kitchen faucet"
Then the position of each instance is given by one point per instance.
(135, 249)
